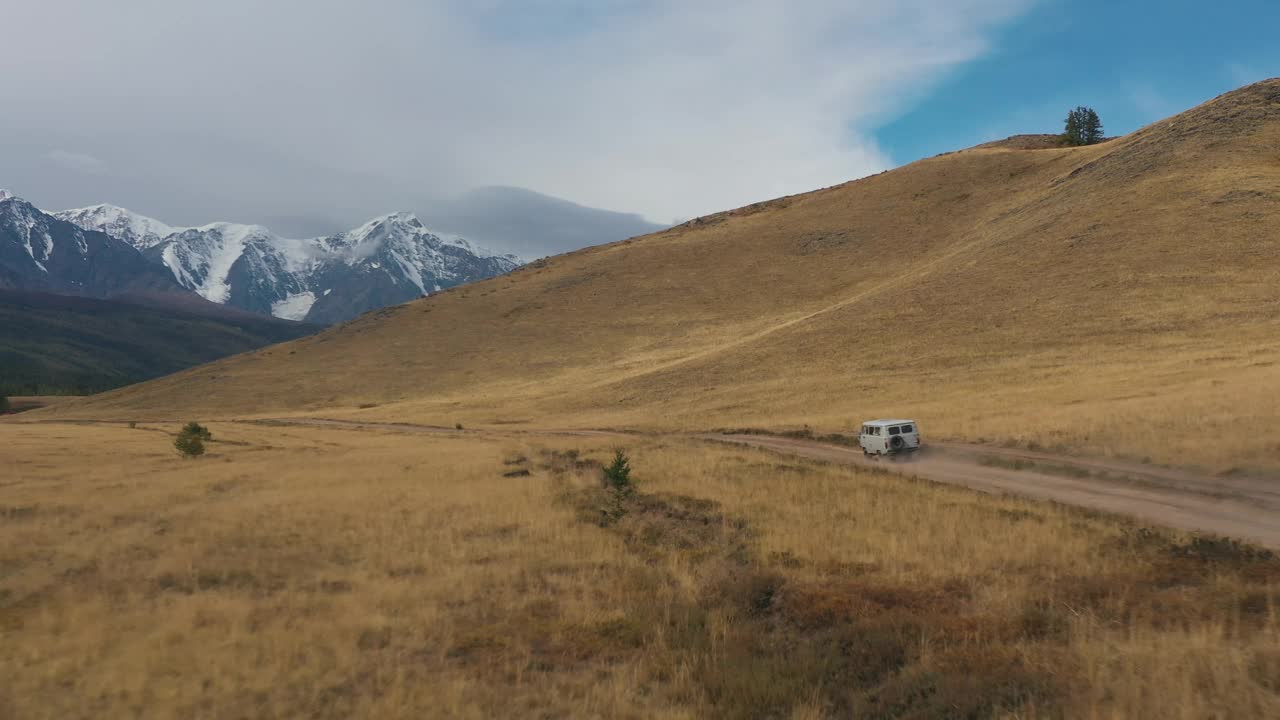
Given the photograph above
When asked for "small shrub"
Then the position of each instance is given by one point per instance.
(756, 592)
(617, 476)
(195, 429)
(569, 461)
(457, 426)
(1221, 549)
(133, 424)
(189, 446)
(191, 439)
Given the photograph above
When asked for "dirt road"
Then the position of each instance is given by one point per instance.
(1248, 508)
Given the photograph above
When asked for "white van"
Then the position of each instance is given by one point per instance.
(889, 437)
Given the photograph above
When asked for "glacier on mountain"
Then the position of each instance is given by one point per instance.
(294, 307)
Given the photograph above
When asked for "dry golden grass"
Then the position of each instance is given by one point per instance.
(23, 403)
(1116, 299)
(306, 572)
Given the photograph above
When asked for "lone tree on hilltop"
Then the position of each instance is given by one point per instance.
(1083, 127)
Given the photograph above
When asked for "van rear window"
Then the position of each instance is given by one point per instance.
(907, 429)
(894, 431)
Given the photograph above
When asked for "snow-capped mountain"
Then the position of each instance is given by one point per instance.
(137, 230)
(390, 260)
(386, 261)
(41, 252)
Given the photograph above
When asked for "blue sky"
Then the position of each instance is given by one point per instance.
(1133, 62)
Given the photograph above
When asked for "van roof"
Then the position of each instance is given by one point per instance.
(889, 422)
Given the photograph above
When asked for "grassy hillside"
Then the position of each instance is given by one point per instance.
(1119, 298)
(53, 344)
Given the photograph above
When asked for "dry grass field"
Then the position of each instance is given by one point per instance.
(1118, 299)
(309, 572)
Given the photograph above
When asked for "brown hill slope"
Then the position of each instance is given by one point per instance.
(1122, 297)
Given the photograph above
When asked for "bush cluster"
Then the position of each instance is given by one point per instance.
(191, 439)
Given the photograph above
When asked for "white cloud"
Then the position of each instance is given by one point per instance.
(1151, 103)
(669, 108)
(1242, 74)
(78, 162)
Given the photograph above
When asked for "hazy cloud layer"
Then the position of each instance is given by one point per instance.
(323, 112)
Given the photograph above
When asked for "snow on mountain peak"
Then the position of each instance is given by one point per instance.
(407, 223)
(392, 221)
(139, 231)
(407, 218)
(238, 232)
(201, 258)
(29, 226)
(359, 243)
(251, 267)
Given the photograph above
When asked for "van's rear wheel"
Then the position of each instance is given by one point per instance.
(897, 443)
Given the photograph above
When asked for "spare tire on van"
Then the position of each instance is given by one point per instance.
(889, 437)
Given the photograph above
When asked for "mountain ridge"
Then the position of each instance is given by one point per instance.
(41, 252)
(53, 344)
(250, 267)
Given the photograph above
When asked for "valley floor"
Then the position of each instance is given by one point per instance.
(332, 572)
